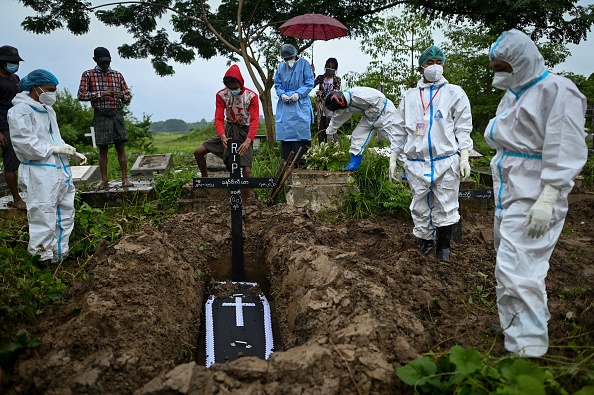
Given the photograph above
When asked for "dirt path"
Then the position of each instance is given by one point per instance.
(354, 301)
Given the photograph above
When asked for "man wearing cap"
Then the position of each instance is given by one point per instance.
(9, 87)
(432, 129)
(107, 91)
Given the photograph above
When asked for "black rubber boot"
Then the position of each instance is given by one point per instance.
(442, 250)
(426, 246)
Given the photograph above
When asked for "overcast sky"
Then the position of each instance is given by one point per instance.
(189, 93)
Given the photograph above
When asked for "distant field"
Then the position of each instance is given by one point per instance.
(167, 142)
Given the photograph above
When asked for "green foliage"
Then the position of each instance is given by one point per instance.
(588, 171)
(10, 348)
(466, 371)
(377, 194)
(74, 118)
(168, 186)
(265, 163)
(326, 156)
(402, 39)
(26, 288)
(138, 134)
(177, 125)
(91, 225)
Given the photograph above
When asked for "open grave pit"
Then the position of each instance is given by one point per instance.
(352, 302)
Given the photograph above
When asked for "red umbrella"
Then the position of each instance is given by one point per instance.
(313, 27)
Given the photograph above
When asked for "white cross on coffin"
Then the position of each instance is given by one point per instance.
(238, 308)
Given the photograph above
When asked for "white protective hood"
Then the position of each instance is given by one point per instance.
(518, 49)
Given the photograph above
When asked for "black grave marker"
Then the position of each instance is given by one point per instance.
(238, 320)
(235, 183)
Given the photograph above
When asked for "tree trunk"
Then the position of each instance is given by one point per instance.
(266, 99)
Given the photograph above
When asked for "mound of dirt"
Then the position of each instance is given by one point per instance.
(353, 302)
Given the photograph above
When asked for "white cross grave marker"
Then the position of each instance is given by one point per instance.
(92, 135)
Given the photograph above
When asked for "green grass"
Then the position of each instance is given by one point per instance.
(181, 142)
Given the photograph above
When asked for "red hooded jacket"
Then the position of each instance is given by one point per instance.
(243, 109)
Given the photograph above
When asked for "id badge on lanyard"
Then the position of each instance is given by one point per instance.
(423, 123)
(422, 126)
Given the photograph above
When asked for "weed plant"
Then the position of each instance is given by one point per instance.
(377, 194)
(266, 163)
(467, 371)
(26, 288)
(326, 156)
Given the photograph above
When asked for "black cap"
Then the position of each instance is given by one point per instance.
(101, 55)
(9, 54)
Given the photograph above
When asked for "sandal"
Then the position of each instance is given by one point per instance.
(20, 205)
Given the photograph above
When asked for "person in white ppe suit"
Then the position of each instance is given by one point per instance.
(44, 173)
(538, 133)
(377, 117)
(432, 126)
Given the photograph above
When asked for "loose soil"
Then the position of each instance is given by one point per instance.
(354, 301)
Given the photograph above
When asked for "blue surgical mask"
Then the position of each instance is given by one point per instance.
(11, 68)
(235, 92)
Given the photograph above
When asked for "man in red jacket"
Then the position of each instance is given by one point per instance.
(240, 107)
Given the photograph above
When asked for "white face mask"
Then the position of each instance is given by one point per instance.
(503, 80)
(433, 72)
(47, 98)
(291, 62)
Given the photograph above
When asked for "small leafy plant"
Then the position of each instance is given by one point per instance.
(325, 156)
(466, 371)
(377, 194)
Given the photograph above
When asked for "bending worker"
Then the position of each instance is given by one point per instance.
(44, 173)
(433, 125)
(538, 133)
(377, 117)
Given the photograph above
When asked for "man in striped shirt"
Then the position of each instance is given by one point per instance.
(107, 91)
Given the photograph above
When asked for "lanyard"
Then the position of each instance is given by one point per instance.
(430, 101)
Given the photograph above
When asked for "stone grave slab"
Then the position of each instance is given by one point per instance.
(85, 175)
(11, 212)
(146, 165)
(319, 190)
(116, 196)
(215, 164)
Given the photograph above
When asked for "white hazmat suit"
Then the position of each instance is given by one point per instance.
(433, 122)
(44, 176)
(377, 116)
(538, 133)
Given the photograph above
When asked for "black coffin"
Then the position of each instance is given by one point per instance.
(238, 324)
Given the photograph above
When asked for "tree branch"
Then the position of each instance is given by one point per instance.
(390, 5)
(250, 62)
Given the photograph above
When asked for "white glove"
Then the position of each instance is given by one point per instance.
(539, 216)
(63, 149)
(393, 166)
(295, 97)
(396, 173)
(330, 131)
(79, 158)
(464, 165)
(285, 98)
